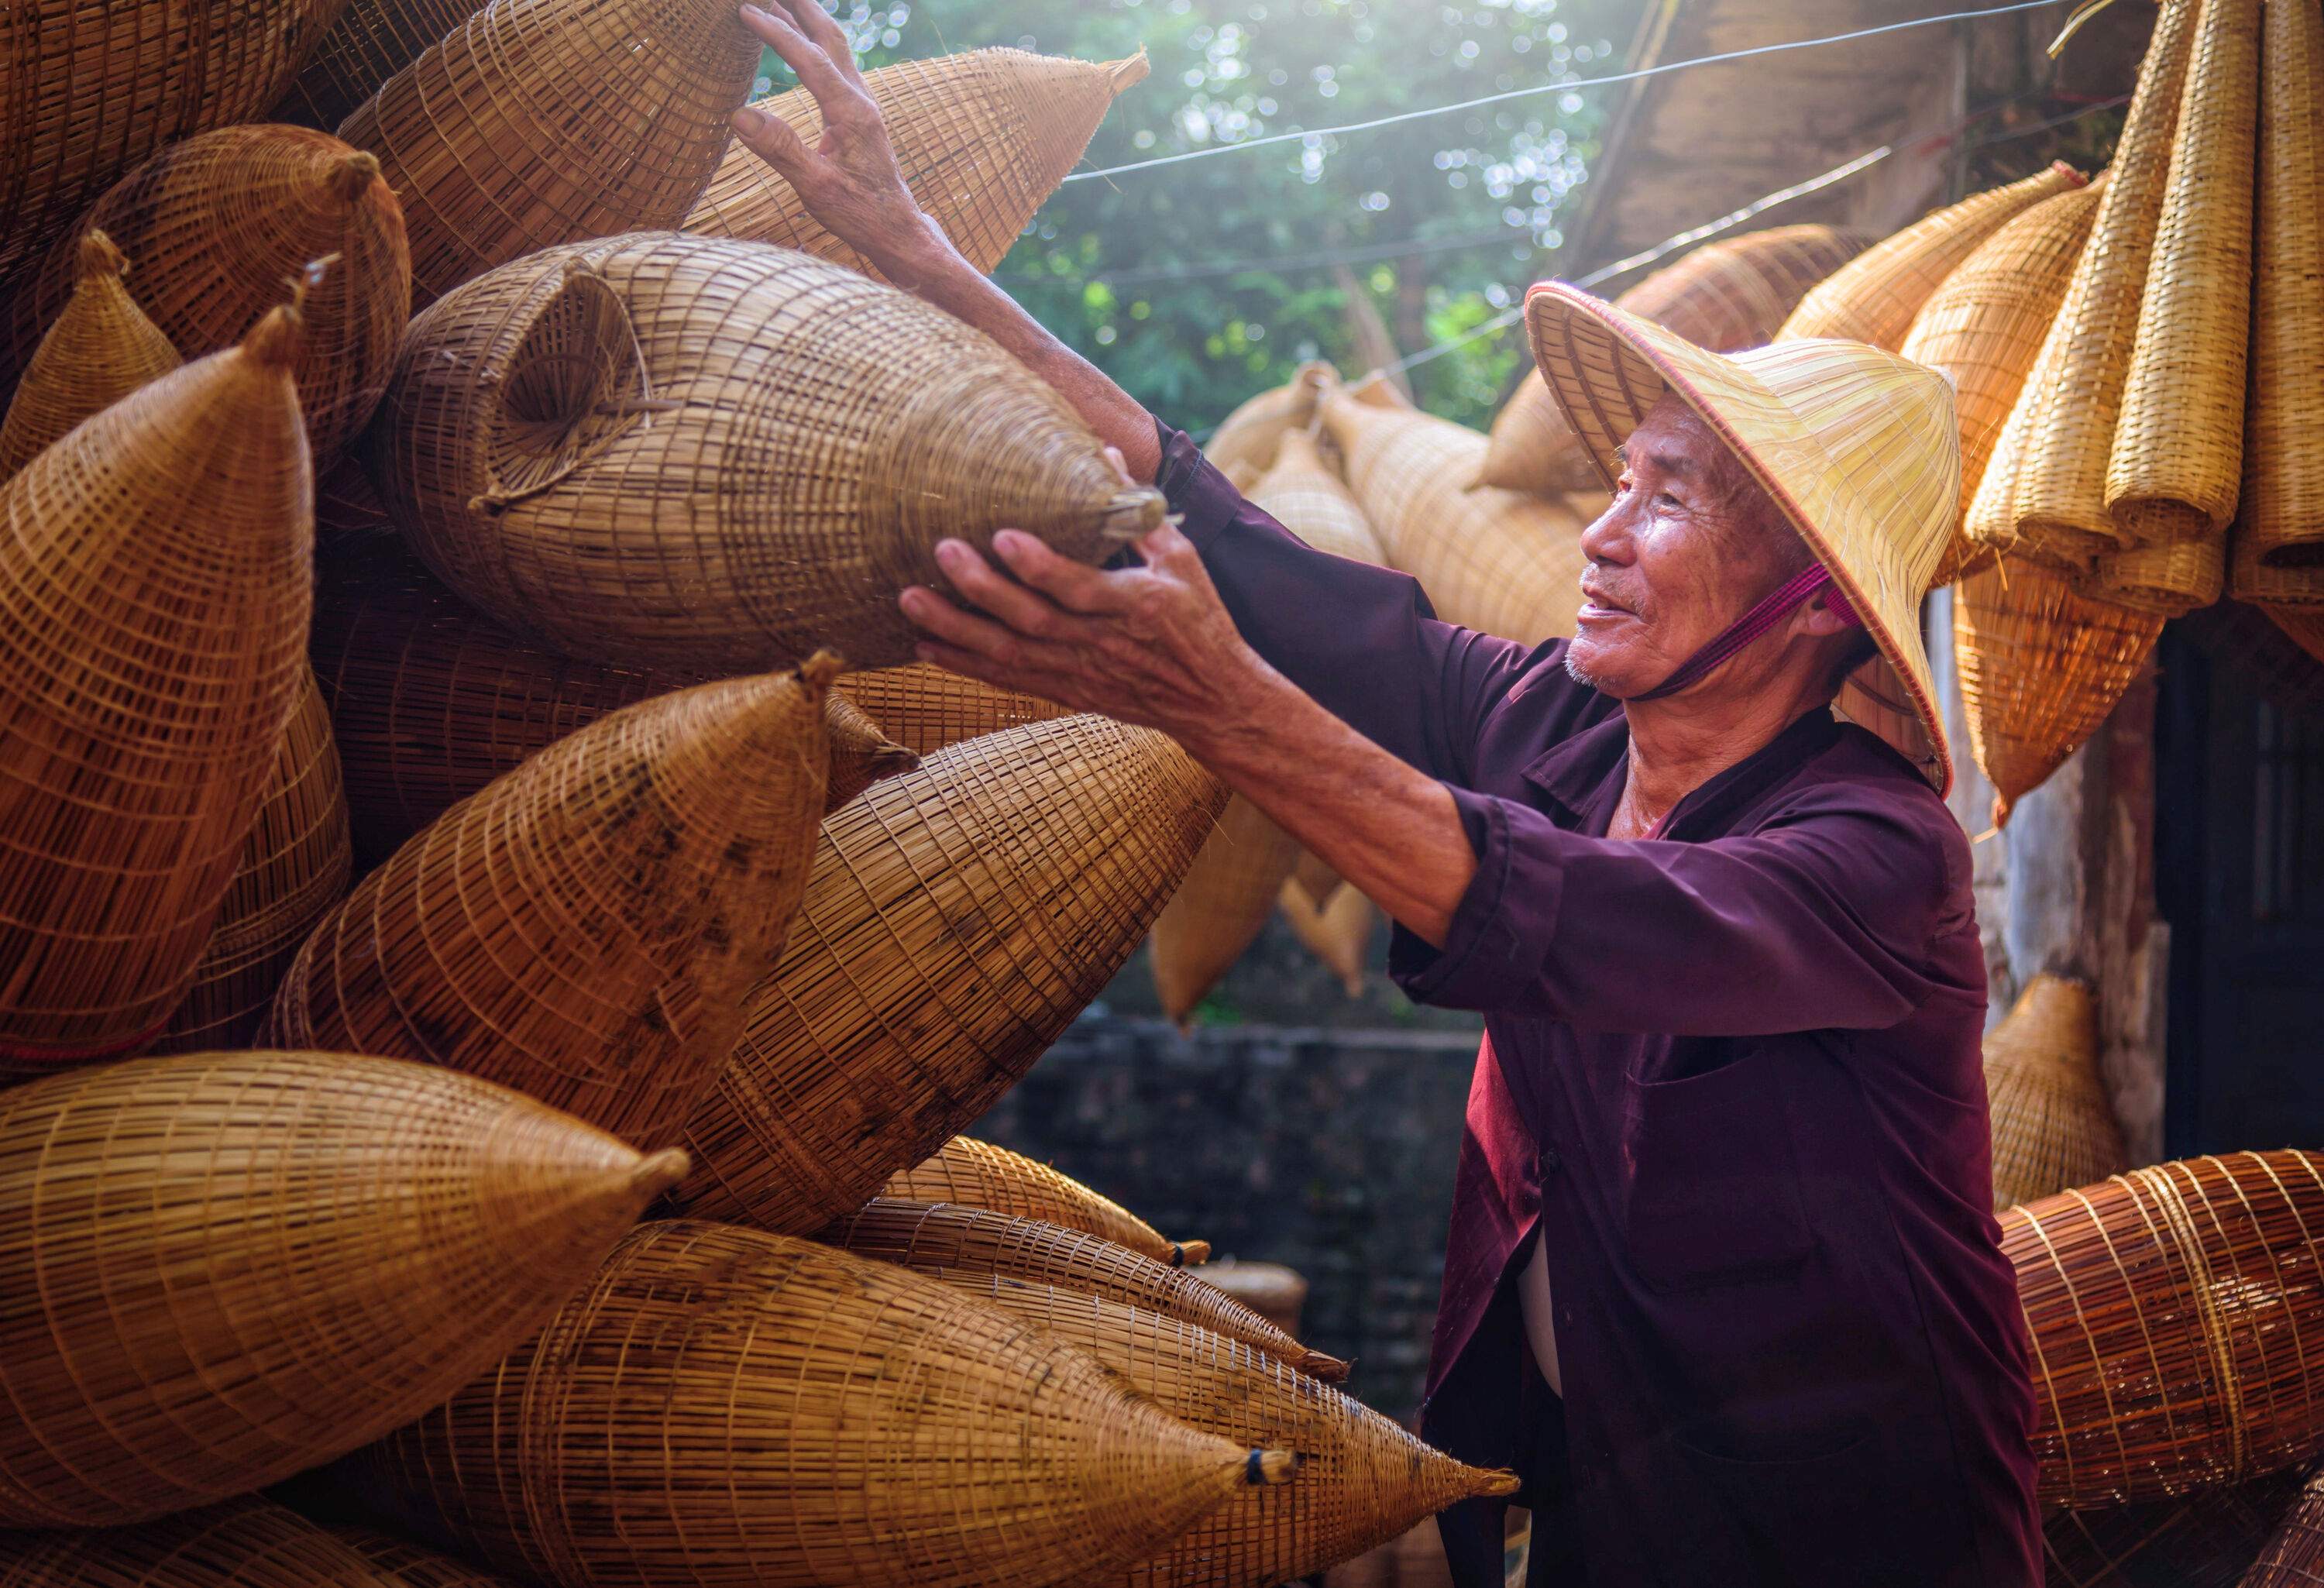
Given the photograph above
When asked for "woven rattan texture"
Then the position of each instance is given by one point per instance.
(2054, 1126)
(2206, 1540)
(1305, 494)
(1338, 932)
(409, 1566)
(217, 224)
(2167, 579)
(959, 917)
(541, 122)
(977, 1174)
(680, 451)
(248, 1543)
(982, 138)
(371, 42)
(1249, 434)
(100, 348)
(155, 570)
(925, 708)
(2171, 1313)
(586, 927)
(861, 753)
(2304, 625)
(723, 1407)
(2293, 1556)
(1217, 911)
(225, 1268)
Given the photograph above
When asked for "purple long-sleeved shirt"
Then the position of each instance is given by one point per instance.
(1731, 1077)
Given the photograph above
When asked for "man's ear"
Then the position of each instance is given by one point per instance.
(1817, 619)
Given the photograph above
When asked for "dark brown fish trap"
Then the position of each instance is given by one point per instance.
(216, 224)
(2054, 1126)
(1219, 909)
(230, 1266)
(678, 451)
(2173, 1312)
(1249, 434)
(959, 917)
(409, 1566)
(926, 709)
(371, 42)
(156, 564)
(585, 929)
(983, 139)
(724, 1406)
(2206, 1540)
(2293, 1555)
(977, 1174)
(248, 1543)
(541, 122)
(101, 348)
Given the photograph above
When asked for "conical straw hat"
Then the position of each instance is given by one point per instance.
(370, 43)
(2178, 444)
(721, 1405)
(977, 1174)
(959, 917)
(225, 1268)
(2170, 579)
(406, 1564)
(1873, 297)
(2052, 1124)
(1306, 496)
(541, 122)
(983, 138)
(926, 709)
(100, 348)
(1217, 911)
(1858, 448)
(1249, 436)
(246, 1543)
(156, 564)
(1339, 932)
(217, 224)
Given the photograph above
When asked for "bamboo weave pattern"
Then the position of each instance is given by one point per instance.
(1217, 911)
(2054, 1126)
(2167, 580)
(248, 1543)
(101, 348)
(1249, 435)
(2206, 1540)
(977, 1174)
(370, 43)
(925, 709)
(2294, 1553)
(408, 1566)
(1339, 931)
(1306, 495)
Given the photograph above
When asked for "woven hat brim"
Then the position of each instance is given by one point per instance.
(1607, 369)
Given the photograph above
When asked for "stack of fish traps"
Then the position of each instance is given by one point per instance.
(394, 919)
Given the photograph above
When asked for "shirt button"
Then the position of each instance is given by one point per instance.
(1550, 1162)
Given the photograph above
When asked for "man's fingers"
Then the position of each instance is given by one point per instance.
(969, 630)
(802, 54)
(1075, 586)
(1027, 610)
(773, 140)
(824, 28)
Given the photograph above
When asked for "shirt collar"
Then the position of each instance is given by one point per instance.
(1583, 772)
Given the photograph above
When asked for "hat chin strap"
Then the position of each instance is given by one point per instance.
(1770, 610)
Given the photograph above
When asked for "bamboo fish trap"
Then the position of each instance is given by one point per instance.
(2304, 625)
(959, 917)
(586, 927)
(2206, 1540)
(1306, 495)
(977, 1174)
(951, 1240)
(2170, 1312)
(408, 1566)
(983, 138)
(541, 122)
(230, 1266)
(725, 1407)
(249, 1543)
(1277, 1293)
(101, 348)
(370, 43)
(925, 709)
(155, 564)
(1315, 878)
(675, 451)
(2294, 1553)
(1217, 911)
(217, 224)
(1249, 436)
(2054, 1126)
(1339, 932)
(2167, 580)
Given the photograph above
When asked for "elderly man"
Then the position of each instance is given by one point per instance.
(1722, 1282)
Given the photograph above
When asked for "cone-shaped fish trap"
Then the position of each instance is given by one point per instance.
(2206, 1540)
(2168, 579)
(1306, 495)
(217, 224)
(1217, 911)
(725, 1407)
(959, 917)
(155, 566)
(541, 122)
(100, 348)
(680, 451)
(1338, 932)
(926, 709)
(2052, 1124)
(1315, 878)
(2303, 625)
(1249, 436)
(2176, 1315)
(952, 1241)
(371, 42)
(2293, 1555)
(977, 1174)
(2177, 462)
(409, 1566)
(983, 138)
(228, 1267)
(248, 1543)
(586, 927)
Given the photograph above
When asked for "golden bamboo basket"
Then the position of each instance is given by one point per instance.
(953, 1242)
(100, 348)
(2206, 1540)
(230, 1266)
(977, 1174)
(295, 864)
(2170, 1312)
(1249, 435)
(248, 1543)
(721, 1405)
(155, 564)
(2054, 1126)
(677, 451)
(1339, 932)
(541, 122)
(586, 929)
(1306, 495)
(983, 139)
(925, 708)
(407, 1565)
(370, 43)
(2293, 1555)
(958, 919)
(2168, 580)
(217, 224)
(1219, 909)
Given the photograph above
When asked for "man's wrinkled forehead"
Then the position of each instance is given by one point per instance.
(1673, 440)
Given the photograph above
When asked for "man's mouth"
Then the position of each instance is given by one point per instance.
(1597, 603)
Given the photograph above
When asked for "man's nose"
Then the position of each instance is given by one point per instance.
(1608, 538)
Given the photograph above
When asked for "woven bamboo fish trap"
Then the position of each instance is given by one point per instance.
(1983, 328)
(1277, 1293)
(217, 224)
(959, 917)
(101, 348)
(953, 1242)
(2208, 1540)
(155, 570)
(925, 708)
(678, 451)
(725, 1407)
(1305, 494)
(2054, 1126)
(585, 929)
(977, 1174)
(370, 43)
(1315, 878)
(1249, 436)
(226, 1268)
(983, 139)
(2294, 1553)
(407, 1565)
(295, 865)
(249, 1543)
(2303, 625)
(2177, 462)
(2171, 1312)
(2041, 664)
(1338, 933)
(2167, 580)
(1217, 911)
(1362, 1481)
(541, 122)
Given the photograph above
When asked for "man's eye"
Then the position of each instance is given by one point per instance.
(1664, 499)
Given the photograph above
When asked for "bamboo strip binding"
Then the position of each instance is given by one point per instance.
(977, 1174)
(100, 348)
